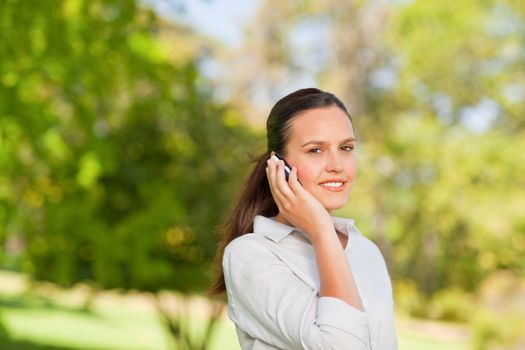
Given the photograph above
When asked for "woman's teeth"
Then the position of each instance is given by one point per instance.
(332, 184)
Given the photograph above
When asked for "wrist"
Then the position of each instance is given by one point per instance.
(324, 236)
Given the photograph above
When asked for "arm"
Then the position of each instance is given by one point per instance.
(334, 272)
(271, 303)
(305, 212)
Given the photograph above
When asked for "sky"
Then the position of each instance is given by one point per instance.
(219, 19)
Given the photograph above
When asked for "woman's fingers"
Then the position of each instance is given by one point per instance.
(294, 183)
(281, 192)
(270, 172)
(299, 191)
(282, 184)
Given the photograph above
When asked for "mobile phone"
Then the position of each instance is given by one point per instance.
(287, 167)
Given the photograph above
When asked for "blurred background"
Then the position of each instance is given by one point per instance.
(126, 128)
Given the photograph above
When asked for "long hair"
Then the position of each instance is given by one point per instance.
(255, 197)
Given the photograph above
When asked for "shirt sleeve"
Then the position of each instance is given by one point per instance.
(271, 303)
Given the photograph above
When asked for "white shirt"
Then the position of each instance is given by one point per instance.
(272, 284)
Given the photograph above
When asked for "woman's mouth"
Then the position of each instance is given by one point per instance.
(334, 186)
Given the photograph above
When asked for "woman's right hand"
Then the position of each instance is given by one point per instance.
(298, 206)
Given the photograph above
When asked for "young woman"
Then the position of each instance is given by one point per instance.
(296, 277)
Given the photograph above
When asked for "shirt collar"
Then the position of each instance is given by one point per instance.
(277, 231)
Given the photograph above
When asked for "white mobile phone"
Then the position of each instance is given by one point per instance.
(287, 167)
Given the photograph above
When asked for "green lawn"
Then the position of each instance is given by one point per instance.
(117, 322)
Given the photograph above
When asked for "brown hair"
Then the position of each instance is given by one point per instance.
(255, 197)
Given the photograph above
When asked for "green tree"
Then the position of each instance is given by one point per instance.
(116, 166)
(449, 126)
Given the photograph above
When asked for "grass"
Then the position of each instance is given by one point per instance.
(53, 319)
(36, 320)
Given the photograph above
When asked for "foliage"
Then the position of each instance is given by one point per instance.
(409, 300)
(448, 171)
(451, 304)
(115, 164)
(113, 160)
(3, 331)
(499, 322)
(498, 331)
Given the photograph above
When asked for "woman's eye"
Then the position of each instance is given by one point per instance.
(347, 148)
(315, 150)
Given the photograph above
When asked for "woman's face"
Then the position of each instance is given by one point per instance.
(321, 147)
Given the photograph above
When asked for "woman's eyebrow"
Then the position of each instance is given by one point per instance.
(316, 142)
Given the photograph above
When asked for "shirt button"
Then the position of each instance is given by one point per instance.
(373, 344)
(365, 303)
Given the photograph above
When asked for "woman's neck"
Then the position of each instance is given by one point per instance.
(342, 237)
(280, 218)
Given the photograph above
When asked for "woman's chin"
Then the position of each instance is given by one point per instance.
(334, 204)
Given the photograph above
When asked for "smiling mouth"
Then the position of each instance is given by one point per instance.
(335, 186)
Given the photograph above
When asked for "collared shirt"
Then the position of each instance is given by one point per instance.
(272, 284)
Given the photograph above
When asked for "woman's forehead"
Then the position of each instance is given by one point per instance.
(329, 124)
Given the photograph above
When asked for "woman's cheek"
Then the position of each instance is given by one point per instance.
(307, 180)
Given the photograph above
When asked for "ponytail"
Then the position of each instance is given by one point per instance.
(254, 199)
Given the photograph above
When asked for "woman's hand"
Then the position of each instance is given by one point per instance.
(296, 204)
(305, 212)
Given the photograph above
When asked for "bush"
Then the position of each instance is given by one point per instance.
(408, 298)
(500, 324)
(451, 305)
(498, 331)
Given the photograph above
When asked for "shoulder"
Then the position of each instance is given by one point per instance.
(248, 247)
(250, 262)
(368, 248)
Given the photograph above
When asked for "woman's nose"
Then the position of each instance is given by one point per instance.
(334, 164)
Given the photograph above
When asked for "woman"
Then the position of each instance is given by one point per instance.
(296, 277)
